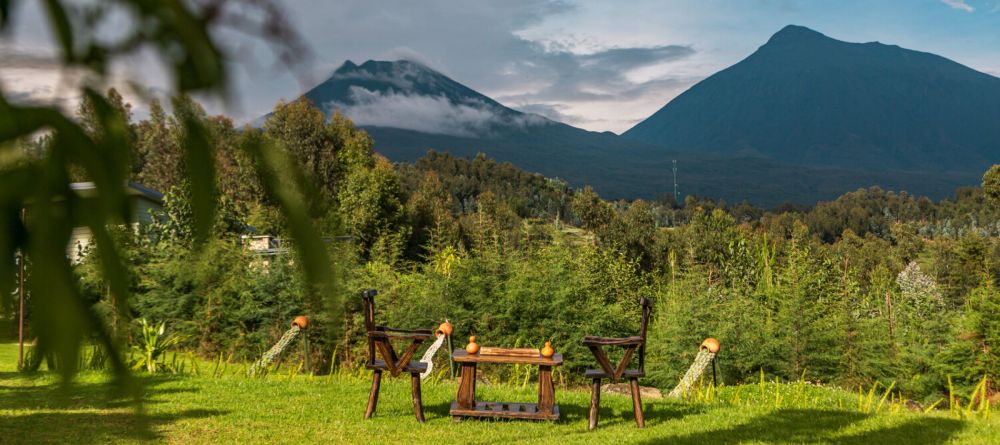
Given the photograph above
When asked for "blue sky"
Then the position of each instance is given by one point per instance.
(598, 65)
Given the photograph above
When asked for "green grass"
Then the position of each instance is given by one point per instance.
(322, 409)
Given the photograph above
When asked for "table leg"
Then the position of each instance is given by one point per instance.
(466, 398)
(546, 392)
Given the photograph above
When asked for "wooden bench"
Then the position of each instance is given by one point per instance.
(465, 404)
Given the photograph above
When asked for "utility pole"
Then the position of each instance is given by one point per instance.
(676, 196)
(20, 312)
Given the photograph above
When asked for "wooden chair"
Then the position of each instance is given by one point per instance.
(380, 340)
(616, 373)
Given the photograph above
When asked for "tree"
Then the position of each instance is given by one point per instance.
(991, 184)
(372, 205)
(164, 161)
(594, 213)
(327, 152)
(429, 213)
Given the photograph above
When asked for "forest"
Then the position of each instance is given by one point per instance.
(875, 286)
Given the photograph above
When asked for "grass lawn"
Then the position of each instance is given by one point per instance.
(233, 409)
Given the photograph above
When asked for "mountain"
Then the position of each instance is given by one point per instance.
(409, 108)
(806, 99)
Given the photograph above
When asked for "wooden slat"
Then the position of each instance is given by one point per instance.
(527, 411)
(624, 362)
(405, 358)
(386, 335)
(602, 359)
(410, 367)
(591, 340)
(600, 374)
(514, 352)
(460, 356)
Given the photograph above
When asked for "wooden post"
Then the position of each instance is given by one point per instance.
(373, 396)
(714, 382)
(466, 397)
(595, 403)
(451, 363)
(305, 351)
(640, 419)
(546, 393)
(418, 408)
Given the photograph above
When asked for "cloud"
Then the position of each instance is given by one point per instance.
(630, 58)
(959, 4)
(409, 54)
(598, 76)
(553, 112)
(598, 90)
(428, 114)
(21, 57)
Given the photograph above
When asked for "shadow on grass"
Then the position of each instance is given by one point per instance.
(925, 430)
(822, 426)
(51, 412)
(87, 428)
(576, 413)
(654, 413)
(55, 395)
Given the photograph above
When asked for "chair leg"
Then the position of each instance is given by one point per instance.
(418, 407)
(595, 403)
(373, 396)
(640, 419)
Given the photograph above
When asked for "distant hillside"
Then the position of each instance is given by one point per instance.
(806, 99)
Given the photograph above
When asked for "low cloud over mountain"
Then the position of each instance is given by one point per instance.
(435, 114)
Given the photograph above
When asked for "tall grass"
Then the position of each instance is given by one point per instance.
(801, 394)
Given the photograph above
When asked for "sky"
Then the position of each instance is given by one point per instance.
(598, 65)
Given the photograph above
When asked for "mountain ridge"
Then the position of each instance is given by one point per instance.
(807, 99)
(409, 108)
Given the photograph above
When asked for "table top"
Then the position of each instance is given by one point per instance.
(512, 356)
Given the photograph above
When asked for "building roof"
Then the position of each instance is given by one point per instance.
(133, 188)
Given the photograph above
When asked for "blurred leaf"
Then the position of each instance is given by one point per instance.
(198, 150)
(4, 13)
(12, 184)
(271, 163)
(200, 66)
(62, 27)
(178, 31)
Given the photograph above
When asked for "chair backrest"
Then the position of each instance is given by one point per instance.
(647, 308)
(368, 298)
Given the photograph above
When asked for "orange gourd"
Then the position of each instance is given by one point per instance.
(547, 350)
(472, 347)
(301, 321)
(711, 344)
(445, 328)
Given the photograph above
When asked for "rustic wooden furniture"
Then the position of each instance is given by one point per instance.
(380, 340)
(616, 373)
(465, 404)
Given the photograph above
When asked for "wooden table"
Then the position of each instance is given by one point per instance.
(465, 404)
